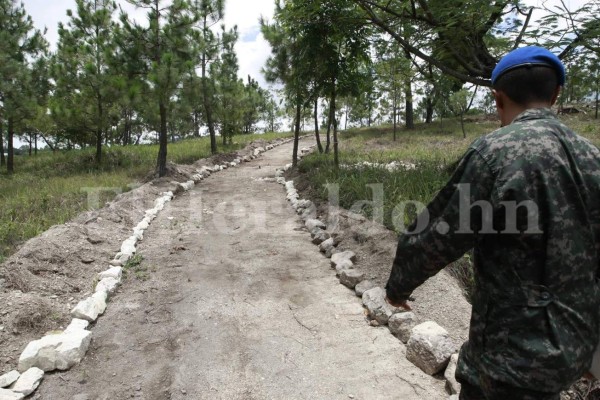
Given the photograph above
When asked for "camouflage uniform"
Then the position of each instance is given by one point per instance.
(536, 303)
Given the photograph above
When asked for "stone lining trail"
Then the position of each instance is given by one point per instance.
(238, 303)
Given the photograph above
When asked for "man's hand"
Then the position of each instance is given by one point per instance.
(403, 304)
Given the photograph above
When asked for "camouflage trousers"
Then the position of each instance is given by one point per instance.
(494, 390)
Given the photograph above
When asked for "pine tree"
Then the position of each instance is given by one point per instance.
(82, 68)
(20, 43)
(167, 50)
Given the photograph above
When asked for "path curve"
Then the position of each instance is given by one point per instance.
(234, 302)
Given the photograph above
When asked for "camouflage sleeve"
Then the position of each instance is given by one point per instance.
(445, 236)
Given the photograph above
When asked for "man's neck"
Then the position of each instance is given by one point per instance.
(515, 110)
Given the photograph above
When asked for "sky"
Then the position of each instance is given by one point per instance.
(252, 49)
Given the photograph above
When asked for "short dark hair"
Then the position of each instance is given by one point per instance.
(528, 84)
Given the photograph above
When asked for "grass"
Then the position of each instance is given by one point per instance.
(433, 148)
(50, 188)
(134, 265)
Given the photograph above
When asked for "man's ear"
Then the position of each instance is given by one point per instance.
(556, 94)
(499, 98)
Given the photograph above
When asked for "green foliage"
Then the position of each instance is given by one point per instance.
(134, 265)
(20, 44)
(84, 89)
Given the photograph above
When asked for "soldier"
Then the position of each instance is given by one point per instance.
(526, 199)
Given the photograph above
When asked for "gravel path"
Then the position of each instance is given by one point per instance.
(232, 301)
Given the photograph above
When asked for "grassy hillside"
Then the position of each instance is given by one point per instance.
(433, 148)
(49, 189)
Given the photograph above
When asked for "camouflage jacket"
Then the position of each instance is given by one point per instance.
(536, 300)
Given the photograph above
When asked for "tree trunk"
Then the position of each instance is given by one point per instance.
(297, 132)
(395, 114)
(429, 111)
(346, 119)
(2, 159)
(336, 159)
(206, 97)
(30, 142)
(462, 124)
(98, 145)
(317, 135)
(162, 140)
(35, 140)
(329, 122)
(127, 133)
(410, 113)
(597, 95)
(10, 168)
(196, 124)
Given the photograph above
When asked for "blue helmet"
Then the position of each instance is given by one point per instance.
(529, 57)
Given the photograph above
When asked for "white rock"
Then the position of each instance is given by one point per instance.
(320, 236)
(77, 325)
(143, 225)
(6, 394)
(343, 265)
(327, 245)
(452, 384)
(108, 285)
(429, 347)
(305, 203)
(362, 287)
(90, 308)
(401, 325)
(138, 233)
(187, 185)
(342, 256)
(28, 381)
(453, 397)
(204, 171)
(128, 246)
(314, 223)
(59, 351)
(9, 378)
(378, 309)
(351, 277)
(330, 251)
(309, 213)
(114, 272)
(123, 258)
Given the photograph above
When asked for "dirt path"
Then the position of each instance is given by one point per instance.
(232, 301)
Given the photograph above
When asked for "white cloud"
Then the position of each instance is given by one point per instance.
(252, 49)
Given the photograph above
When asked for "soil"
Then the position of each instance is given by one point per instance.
(51, 273)
(233, 301)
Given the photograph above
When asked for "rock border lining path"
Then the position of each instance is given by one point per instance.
(61, 350)
(428, 344)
